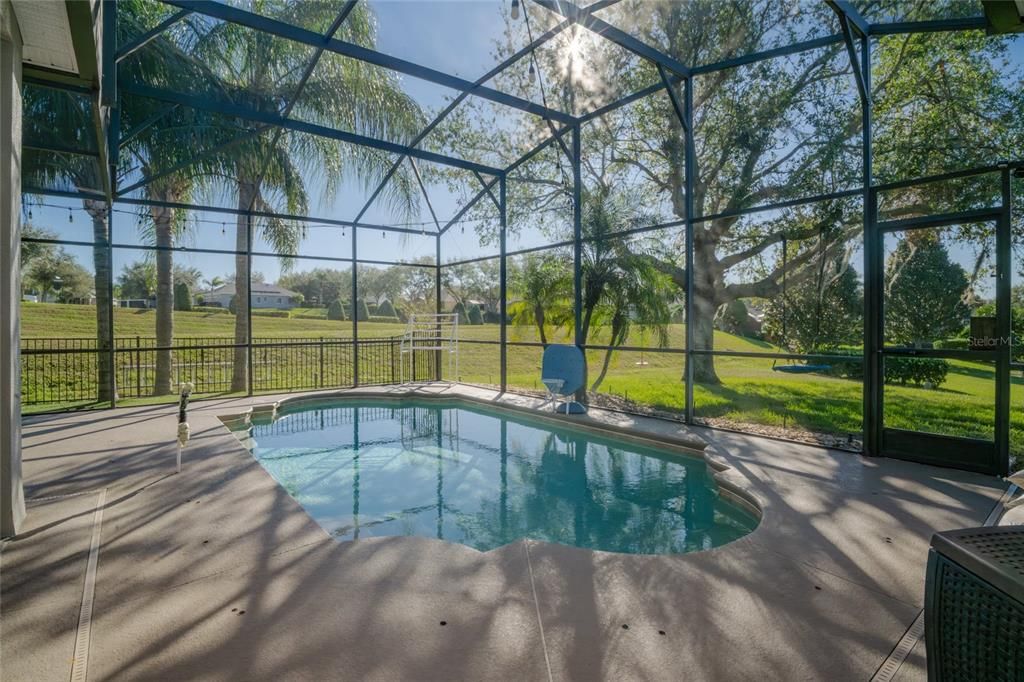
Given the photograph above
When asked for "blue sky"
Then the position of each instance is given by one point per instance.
(454, 36)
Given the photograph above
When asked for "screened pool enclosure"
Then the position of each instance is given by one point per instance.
(789, 218)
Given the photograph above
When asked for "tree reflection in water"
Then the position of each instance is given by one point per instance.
(485, 479)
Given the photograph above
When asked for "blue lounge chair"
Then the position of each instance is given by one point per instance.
(562, 373)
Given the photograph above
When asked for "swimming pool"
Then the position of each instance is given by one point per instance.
(484, 478)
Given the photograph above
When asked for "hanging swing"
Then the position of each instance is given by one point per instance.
(800, 369)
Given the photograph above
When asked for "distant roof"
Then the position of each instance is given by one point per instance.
(257, 288)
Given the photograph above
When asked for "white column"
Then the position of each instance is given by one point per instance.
(12, 496)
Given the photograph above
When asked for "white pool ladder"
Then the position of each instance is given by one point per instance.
(430, 331)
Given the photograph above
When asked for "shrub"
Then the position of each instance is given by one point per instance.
(732, 317)
(311, 313)
(846, 369)
(182, 297)
(953, 344)
(336, 310)
(491, 317)
(385, 309)
(380, 318)
(401, 315)
(898, 370)
(269, 312)
(919, 371)
(474, 315)
(233, 305)
(460, 310)
(362, 311)
(210, 309)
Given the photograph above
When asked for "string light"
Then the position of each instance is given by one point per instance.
(306, 224)
(533, 74)
(30, 214)
(515, 9)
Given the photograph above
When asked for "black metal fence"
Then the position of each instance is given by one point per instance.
(60, 370)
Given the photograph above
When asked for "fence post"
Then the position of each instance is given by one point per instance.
(138, 367)
(321, 362)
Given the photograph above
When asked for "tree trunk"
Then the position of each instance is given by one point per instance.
(240, 371)
(619, 334)
(588, 315)
(604, 370)
(103, 273)
(705, 304)
(164, 298)
(538, 315)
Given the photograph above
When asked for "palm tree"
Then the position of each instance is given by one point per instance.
(44, 112)
(619, 284)
(167, 224)
(169, 145)
(640, 293)
(270, 171)
(542, 285)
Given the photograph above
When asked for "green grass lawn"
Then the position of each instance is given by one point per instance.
(750, 391)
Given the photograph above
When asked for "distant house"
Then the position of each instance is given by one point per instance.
(263, 296)
(448, 302)
(135, 302)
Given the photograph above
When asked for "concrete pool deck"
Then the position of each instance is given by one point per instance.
(217, 574)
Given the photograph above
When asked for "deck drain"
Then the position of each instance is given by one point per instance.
(241, 612)
(817, 587)
(205, 541)
(444, 622)
(625, 627)
(661, 632)
(888, 541)
(233, 610)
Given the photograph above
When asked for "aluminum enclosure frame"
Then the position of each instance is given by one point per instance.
(856, 34)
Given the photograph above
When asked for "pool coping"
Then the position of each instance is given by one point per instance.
(736, 489)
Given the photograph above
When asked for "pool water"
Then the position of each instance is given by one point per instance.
(486, 478)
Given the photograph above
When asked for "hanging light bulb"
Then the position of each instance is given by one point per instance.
(71, 218)
(533, 73)
(223, 228)
(383, 234)
(30, 214)
(515, 9)
(463, 229)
